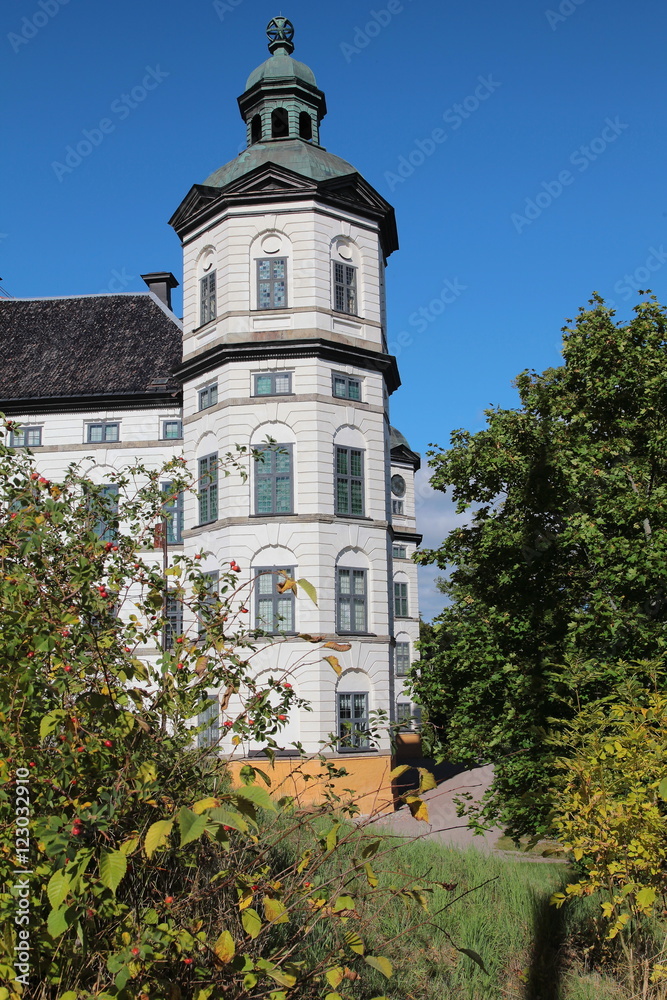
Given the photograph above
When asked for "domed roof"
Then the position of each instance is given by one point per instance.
(294, 154)
(398, 439)
(281, 66)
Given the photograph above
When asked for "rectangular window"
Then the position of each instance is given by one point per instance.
(210, 719)
(172, 430)
(345, 387)
(275, 611)
(345, 288)
(402, 659)
(272, 283)
(173, 623)
(399, 552)
(273, 384)
(209, 602)
(273, 479)
(107, 505)
(350, 481)
(208, 489)
(208, 396)
(401, 600)
(103, 432)
(26, 437)
(172, 510)
(398, 507)
(352, 722)
(404, 714)
(207, 298)
(351, 603)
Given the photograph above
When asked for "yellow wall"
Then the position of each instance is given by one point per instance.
(367, 783)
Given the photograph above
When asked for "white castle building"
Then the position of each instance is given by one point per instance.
(284, 336)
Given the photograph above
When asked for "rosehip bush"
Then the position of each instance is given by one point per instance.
(150, 874)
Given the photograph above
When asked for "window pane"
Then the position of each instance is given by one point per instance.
(111, 432)
(339, 386)
(341, 461)
(345, 621)
(172, 429)
(354, 389)
(265, 614)
(265, 462)
(357, 504)
(355, 463)
(342, 498)
(359, 581)
(351, 301)
(264, 270)
(264, 497)
(264, 296)
(283, 495)
(95, 432)
(34, 437)
(213, 395)
(278, 269)
(262, 385)
(339, 273)
(340, 299)
(344, 581)
(360, 706)
(359, 617)
(345, 706)
(283, 461)
(285, 614)
(279, 294)
(282, 383)
(266, 583)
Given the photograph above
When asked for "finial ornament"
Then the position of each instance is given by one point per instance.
(280, 32)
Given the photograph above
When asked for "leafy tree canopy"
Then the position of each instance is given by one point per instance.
(564, 556)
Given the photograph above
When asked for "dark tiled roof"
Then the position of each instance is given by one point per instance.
(86, 345)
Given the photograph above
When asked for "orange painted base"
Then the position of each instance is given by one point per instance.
(366, 784)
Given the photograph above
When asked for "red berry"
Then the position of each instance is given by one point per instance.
(76, 830)
(283, 718)
(180, 639)
(169, 900)
(115, 548)
(67, 668)
(254, 888)
(227, 828)
(107, 743)
(287, 685)
(108, 547)
(30, 656)
(308, 885)
(228, 724)
(12, 516)
(251, 722)
(80, 749)
(32, 764)
(126, 649)
(135, 951)
(34, 475)
(187, 961)
(197, 557)
(244, 611)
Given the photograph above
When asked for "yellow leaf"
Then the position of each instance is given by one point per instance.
(334, 976)
(335, 664)
(418, 808)
(224, 947)
(382, 965)
(340, 647)
(309, 590)
(204, 804)
(427, 781)
(157, 836)
(275, 911)
(398, 771)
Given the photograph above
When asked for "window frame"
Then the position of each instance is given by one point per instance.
(397, 549)
(173, 620)
(212, 578)
(358, 723)
(107, 531)
(174, 514)
(401, 602)
(352, 599)
(207, 490)
(402, 659)
(273, 476)
(208, 297)
(350, 480)
(210, 716)
(273, 376)
(398, 507)
(207, 396)
(25, 431)
(348, 380)
(104, 425)
(272, 282)
(273, 572)
(350, 301)
(176, 437)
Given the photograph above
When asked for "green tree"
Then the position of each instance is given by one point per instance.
(130, 866)
(564, 554)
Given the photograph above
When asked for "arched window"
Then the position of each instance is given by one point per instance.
(305, 125)
(279, 123)
(256, 129)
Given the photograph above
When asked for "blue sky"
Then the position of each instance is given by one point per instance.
(522, 145)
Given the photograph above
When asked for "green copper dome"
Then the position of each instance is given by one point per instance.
(301, 157)
(281, 66)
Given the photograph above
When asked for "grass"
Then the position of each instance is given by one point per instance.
(530, 950)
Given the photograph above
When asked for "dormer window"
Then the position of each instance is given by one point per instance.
(256, 129)
(305, 125)
(279, 124)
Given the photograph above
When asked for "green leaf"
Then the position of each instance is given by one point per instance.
(113, 867)
(398, 771)
(477, 959)
(50, 722)
(252, 922)
(662, 788)
(257, 795)
(190, 825)
(646, 897)
(309, 590)
(58, 922)
(70, 995)
(157, 836)
(371, 876)
(343, 903)
(332, 837)
(58, 888)
(382, 965)
(229, 817)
